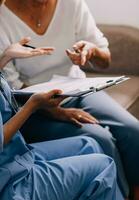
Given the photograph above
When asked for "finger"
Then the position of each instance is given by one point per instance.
(76, 122)
(24, 40)
(91, 118)
(72, 54)
(82, 113)
(84, 54)
(35, 53)
(82, 118)
(48, 52)
(41, 52)
(69, 53)
(78, 46)
(75, 58)
(87, 120)
(76, 62)
(52, 93)
(56, 101)
(46, 48)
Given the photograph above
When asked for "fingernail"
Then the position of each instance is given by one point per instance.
(67, 51)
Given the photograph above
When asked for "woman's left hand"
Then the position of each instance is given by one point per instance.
(17, 50)
(83, 51)
(46, 100)
(72, 115)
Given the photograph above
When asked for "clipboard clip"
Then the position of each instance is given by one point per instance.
(110, 82)
(77, 94)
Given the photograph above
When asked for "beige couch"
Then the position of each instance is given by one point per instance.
(124, 46)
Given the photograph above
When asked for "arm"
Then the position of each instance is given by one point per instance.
(36, 101)
(4, 60)
(91, 44)
(18, 120)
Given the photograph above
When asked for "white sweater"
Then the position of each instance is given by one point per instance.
(71, 22)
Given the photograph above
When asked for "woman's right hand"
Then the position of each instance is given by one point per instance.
(18, 50)
(46, 100)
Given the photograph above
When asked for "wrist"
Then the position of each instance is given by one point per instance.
(55, 113)
(31, 105)
(4, 59)
(95, 52)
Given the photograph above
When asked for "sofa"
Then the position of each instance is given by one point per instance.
(124, 47)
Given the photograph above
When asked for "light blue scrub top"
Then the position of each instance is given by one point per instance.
(16, 158)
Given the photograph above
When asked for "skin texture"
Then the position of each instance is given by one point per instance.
(43, 11)
(17, 50)
(2, 1)
(84, 51)
(40, 101)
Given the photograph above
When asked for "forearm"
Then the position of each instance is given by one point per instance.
(4, 59)
(101, 58)
(15, 123)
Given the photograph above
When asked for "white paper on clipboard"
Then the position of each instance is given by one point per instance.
(70, 85)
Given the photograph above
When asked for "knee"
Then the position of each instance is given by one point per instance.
(90, 145)
(104, 139)
(104, 164)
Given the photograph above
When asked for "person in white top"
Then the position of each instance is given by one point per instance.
(51, 23)
(68, 26)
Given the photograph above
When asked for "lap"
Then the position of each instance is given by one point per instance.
(67, 147)
(82, 176)
(39, 128)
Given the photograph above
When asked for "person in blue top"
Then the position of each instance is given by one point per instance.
(64, 169)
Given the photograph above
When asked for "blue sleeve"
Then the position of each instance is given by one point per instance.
(1, 133)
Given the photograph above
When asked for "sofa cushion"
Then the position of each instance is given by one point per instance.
(126, 93)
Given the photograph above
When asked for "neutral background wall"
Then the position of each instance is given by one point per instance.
(115, 11)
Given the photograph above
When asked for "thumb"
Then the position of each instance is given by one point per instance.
(70, 53)
(53, 93)
(24, 40)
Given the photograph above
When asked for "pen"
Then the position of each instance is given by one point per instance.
(26, 45)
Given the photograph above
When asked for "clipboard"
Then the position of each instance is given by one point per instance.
(92, 90)
(75, 93)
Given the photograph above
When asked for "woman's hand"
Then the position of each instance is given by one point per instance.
(73, 115)
(83, 51)
(36, 101)
(17, 50)
(86, 51)
(46, 100)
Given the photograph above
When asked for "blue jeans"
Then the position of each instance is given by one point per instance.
(117, 133)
